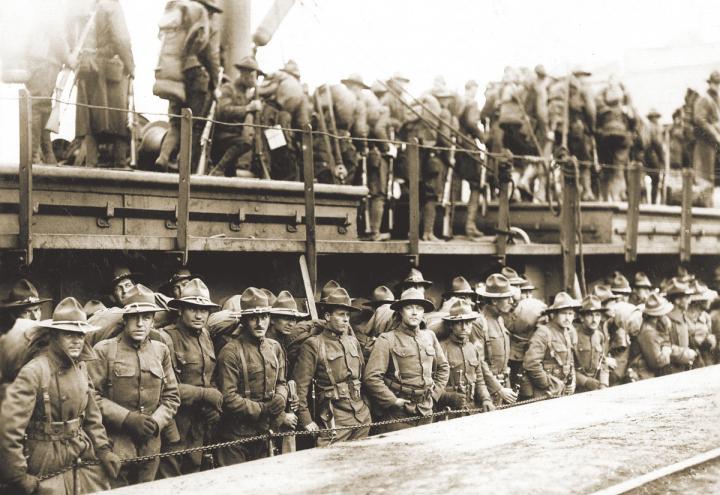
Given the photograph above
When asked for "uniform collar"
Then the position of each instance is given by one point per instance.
(410, 331)
(133, 343)
(187, 329)
(461, 342)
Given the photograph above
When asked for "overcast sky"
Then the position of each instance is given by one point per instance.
(458, 39)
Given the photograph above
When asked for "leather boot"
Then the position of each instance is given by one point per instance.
(586, 193)
(377, 207)
(120, 152)
(429, 212)
(47, 149)
(471, 229)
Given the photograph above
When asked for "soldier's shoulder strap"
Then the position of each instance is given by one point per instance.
(322, 354)
(245, 374)
(392, 336)
(112, 348)
(44, 365)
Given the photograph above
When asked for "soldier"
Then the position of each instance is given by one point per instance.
(657, 354)
(50, 418)
(548, 361)
(121, 283)
(469, 166)
(641, 289)
(526, 290)
(251, 376)
(380, 322)
(333, 362)
(407, 370)
(200, 76)
(516, 281)
(706, 123)
(236, 102)
(679, 293)
(24, 302)
(284, 316)
(194, 360)
(466, 385)
(177, 282)
(617, 341)
(137, 390)
(620, 286)
(495, 341)
(525, 318)
(413, 280)
(105, 71)
(701, 337)
(654, 140)
(591, 370)
(460, 289)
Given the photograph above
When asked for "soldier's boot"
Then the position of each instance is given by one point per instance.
(169, 145)
(429, 212)
(586, 185)
(37, 131)
(228, 162)
(120, 152)
(47, 149)
(377, 207)
(471, 229)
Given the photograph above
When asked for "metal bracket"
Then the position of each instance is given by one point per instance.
(104, 221)
(343, 228)
(235, 225)
(297, 220)
(171, 223)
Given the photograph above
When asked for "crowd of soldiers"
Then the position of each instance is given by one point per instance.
(253, 126)
(162, 372)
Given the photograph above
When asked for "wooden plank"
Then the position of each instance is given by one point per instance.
(25, 207)
(183, 201)
(503, 217)
(633, 212)
(310, 233)
(686, 215)
(413, 157)
(309, 289)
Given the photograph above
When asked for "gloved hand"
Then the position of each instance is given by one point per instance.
(111, 463)
(592, 384)
(141, 426)
(455, 400)
(213, 397)
(27, 484)
(276, 405)
(487, 406)
(712, 341)
(211, 416)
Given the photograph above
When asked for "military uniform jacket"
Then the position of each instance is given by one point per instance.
(589, 356)
(250, 372)
(706, 118)
(409, 364)
(650, 361)
(679, 328)
(336, 364)
(549, 359)
(50, 419)
(194, 361)
(465, 360)
(134, 378)
(494, 343)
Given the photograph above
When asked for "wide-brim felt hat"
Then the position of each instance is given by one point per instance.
(619, 284)
(563, 301)
(496, 286)
(642, 280)
(678, 288)
(415, 277)
(460, 287)
(121, 273)
(338, 299)
(355, 79)
(657, 305)
(461, 311)
(140, 299)
(195, 293)
(254, 301)
(291, 67)
(653, 113)
(380, 296)
(592, 304)
(68, 316)
(605, 293)
(249, 63)
(714, 77)
(178, 276)
(285, 305)
(412, 296)
(513, 277)
(22, 294)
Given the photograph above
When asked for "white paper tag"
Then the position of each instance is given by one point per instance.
(275, 138)
(392, 150)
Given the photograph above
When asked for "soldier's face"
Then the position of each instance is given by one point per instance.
(591, 320)
(564, 318)
(283, 324)
(178, 287)
(503, 304)
(248, 78)
(468, 299)
(682, 302)
(338, 320)
(461, 329)
(29, 313)
(642, 293)
(525, 294)
(138, 326)
(257, 324)
(194, 316)
(71, 343)
(121, 290)
(610, 306)
(412, 315)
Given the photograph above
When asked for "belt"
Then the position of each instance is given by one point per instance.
(409, 392)
(57, 430)
(342, 390)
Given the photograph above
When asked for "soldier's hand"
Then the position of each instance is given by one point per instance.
(456, 400)
(140, 425)
(692, 354)
(400, 403)
(666, 351)
(27, 484)
(508, 395)
(111, 463)
(276, 404)
(213, 397)
(211, 416)
(340, 172)
(611, 362)
(217, 93)
(487, 406)
(712, 341)
(294, 402)
(312, 426)
(290, 420)
(592, 384)
(254, 106)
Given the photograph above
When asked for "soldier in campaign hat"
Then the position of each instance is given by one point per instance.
(641, 288)
(706, 117)
(23, 301)
(334, 362)
(620, 286)
(179, 279)
(137, 390)
(495, 340)
(702, 340)
(254, 402)
(38, 437)
(591, 366)
(194, 360)
(121, 282)
(381, 320)
(679, 294)
(407, 370)
(466, 384)
(413, 280)
(548, 362)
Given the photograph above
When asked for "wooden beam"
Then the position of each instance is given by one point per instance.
(503, 221)
(413, 156)
(184, 165)
(25, 210)
(686, 215)
(633, 211)
(568, 225)
(310, 232)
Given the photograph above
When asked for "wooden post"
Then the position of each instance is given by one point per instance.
(633, 211)
(503, 226)
(568, 225)
(686, 217)
(183, 204)
(25, 206)
(310, 230)
(413, 155)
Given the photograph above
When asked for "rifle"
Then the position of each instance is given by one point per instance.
(333, 124)
(68, 76)
(460, 382)
(259, 144)
(391, 185)
(366, 201)
(131, 124)
(205, 139)
(447, 197)
(484, 187)
(288, 443)
(325, 135)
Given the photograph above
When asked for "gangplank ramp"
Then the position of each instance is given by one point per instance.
(576, 444)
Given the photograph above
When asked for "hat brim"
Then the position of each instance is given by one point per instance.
(464, 317)
(527, 287)
(460, 293)
(377, 304)
(593, 310)
(255, 311)
(324, 306)
(642, 285)
(141, 308)
(624, 291)
(495, 295)
(689, 292)
(288, 312)
(192, 301)
(405, 283)
(23, 304)
(246, 67)
(575, 307)
(661, 311)
(68, 326)
(292, 73)
(427, 305)
(349, 82)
